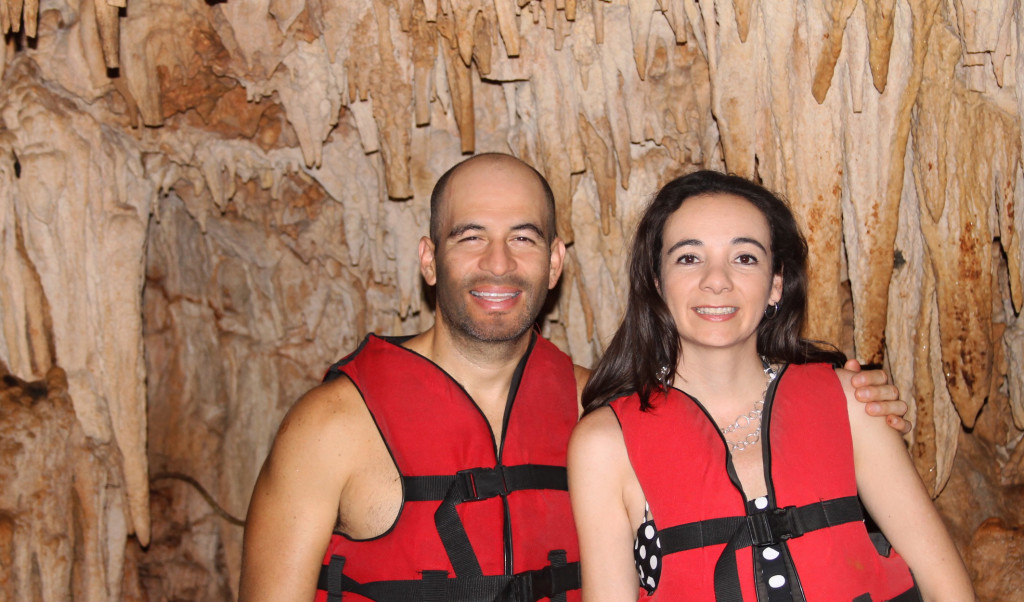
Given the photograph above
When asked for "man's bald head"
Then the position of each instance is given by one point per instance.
(484, 161)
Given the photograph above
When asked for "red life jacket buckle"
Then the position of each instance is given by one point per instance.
(483, 483)
(772, 526)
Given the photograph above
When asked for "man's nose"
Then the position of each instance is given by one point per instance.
(498, 259)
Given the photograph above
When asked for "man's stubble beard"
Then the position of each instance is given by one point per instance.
(454, 309)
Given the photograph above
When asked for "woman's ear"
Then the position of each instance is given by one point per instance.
(776, 294)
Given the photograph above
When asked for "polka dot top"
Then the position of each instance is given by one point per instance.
(647, 553)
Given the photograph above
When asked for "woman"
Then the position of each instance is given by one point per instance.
(721, 455)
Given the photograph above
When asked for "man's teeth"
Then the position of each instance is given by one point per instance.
(716, 311)
(494, 296)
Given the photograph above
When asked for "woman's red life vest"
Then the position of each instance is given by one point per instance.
(476, 522)
(686, 473)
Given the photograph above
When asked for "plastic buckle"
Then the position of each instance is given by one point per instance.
(772, 526)
(483, 483)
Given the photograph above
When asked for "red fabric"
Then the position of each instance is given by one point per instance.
(680, 459)
(432, 427)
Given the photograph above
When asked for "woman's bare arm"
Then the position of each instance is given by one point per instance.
(599, 474)
(893, 493)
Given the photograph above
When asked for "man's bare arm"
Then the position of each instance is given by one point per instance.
(295, 502)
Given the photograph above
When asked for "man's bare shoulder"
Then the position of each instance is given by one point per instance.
(582, 376)
(325, 407)
(324, 428)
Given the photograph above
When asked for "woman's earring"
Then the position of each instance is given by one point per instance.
(663, 376)
(774, 311)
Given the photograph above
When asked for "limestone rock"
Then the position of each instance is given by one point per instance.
(994, 559)
(192, 237)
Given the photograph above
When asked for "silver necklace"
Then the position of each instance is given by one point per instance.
(754, 415)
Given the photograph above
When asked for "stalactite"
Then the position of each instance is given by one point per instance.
(640, 14)
(880, 33)
(742, 10)
(424, 57)
(460, 85)
(508, 27)
(107, 23)
(831, 47)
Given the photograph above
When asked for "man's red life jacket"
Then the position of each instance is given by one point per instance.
(476, 522)
(813, 515)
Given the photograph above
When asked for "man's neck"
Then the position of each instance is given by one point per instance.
(484, 369)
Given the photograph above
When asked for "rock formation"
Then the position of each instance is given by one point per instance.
(203, 204)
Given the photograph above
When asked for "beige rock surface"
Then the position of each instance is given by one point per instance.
(192, 237)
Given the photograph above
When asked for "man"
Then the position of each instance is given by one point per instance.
(475, 412)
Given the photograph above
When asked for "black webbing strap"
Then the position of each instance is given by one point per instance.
(335, 572)
(911, 595)
(558, 558)
(479, 484)
(525, 476)
(548, 582)
(761, 528)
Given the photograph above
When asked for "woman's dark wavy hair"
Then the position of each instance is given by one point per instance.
(647, 338)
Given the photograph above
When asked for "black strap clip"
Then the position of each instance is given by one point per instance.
(482, 483)
(772, 526)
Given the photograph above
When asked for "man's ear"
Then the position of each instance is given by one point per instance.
(428, 263)
(557, 262)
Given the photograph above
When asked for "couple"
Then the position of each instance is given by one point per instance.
(432, 467)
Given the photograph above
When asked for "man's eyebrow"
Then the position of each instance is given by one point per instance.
(461, 229)
(531, 227)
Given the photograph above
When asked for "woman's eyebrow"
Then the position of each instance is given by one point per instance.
(685, 243)
(739, 240)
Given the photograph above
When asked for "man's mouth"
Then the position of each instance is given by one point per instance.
(496, 297)
(715, 311)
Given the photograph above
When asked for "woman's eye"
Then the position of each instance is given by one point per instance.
(746, 259)
(687, 259)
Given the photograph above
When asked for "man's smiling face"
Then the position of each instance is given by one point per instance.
(495, 259)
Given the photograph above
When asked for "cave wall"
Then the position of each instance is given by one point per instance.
(206, 203)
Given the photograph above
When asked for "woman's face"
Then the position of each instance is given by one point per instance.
(716, 271)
